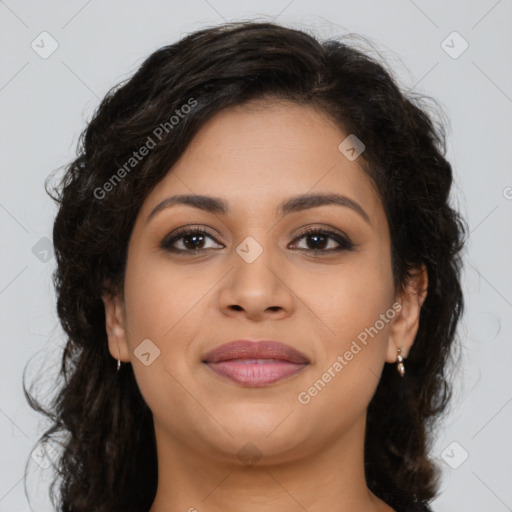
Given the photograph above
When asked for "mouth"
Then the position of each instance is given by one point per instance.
(255, 363)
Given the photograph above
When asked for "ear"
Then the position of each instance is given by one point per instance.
(115, 326)
(406, 322)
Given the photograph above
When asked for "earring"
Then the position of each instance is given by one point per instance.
(400, 365)
(118, 364)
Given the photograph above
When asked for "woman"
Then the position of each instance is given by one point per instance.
(257, 229)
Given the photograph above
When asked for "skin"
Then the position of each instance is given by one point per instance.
(255, 157)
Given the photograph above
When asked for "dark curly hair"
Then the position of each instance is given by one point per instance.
(108, 458)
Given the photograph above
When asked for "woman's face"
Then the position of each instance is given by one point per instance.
(253, 274)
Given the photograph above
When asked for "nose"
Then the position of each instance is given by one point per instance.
(257, 287)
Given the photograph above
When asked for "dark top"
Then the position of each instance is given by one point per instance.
(412, 507)
(403, 503)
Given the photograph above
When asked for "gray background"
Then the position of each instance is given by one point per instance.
(46, 102)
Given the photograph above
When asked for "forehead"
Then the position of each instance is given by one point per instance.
(258, 154)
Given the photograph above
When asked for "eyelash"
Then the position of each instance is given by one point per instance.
(345, 243)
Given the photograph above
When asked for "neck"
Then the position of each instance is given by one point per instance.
(330, 477)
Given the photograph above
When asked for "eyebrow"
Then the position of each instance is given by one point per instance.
(294, 204)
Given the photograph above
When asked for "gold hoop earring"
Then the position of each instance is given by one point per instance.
(400, 365)
(118, 364)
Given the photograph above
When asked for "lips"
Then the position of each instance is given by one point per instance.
(245, 349)
(255, 363)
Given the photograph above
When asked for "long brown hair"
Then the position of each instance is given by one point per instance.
(108, 458)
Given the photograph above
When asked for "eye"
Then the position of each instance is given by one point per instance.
(193, 240)
(319, 240)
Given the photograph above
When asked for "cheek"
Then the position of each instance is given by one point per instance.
(162, 305)
(160, 299)
(348, 370)
(347, 299)
(166, 304)
(354, 306)
(360, 307)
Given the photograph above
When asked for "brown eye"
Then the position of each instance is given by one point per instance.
(191, 240)
(318, 240)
